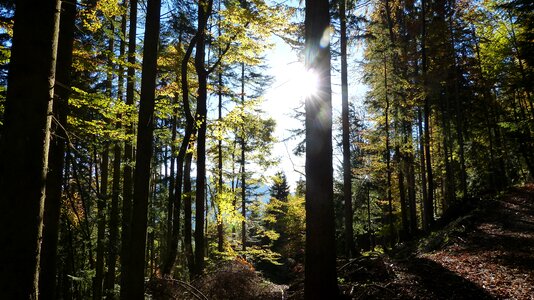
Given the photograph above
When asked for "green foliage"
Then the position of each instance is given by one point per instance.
(225, 202)
(246, 30)
(286, 220)
(280, 188)
(97, 115)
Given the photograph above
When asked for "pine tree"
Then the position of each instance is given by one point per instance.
(280, 188)
(54, 184)
(25, 145)
(320, 271)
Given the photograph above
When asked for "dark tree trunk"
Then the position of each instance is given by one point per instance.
(402, 191)
(395, 67)
(369, 229)
(113, 223)
(388, 159)
(243, 197)
(113, 245)
(320, 271)
(182, 153)
(103, 198)
(220, 225)
(186, 167)
(170, 255)
(150, 249)
(56, 157)
(429, 204)
(25, 144)
(188, 214)
(450, 194)
(243, 168)
(410, 178)
(204, 11)
(426, 227)
(347, 175)
(69, 266)
(134, 284)
(459, 111)
(128, 155)
(101, 224)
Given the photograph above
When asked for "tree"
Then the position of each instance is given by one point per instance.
(428, 206)
(25, 144)
(98, 280)
(204, 12)
(128, 154)
(280, 188)
(347, 174)
(276, 212)
(176, 191)
(320, 273)
(134, 284)
(54, 184)
(113, 247)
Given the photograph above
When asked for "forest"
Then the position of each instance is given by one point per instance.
(140, 149)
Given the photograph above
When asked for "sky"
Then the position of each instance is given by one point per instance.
(291, 84)
(288, 92)
(280, 101)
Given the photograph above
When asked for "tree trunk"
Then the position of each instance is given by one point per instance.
(347, 175)
(426, 226)
(429, 205)
(47, 277)
(448, 198)
(113, 245)
(113, 223)
(188, 214)
(369, 229)
(182, 153)
(410, 177)
(134, 284)
(243, 168)
(171, 198)
(101, 224)
(402, 192)
(459, 111)
(388, 158)
(220, 225)
(204, 11)
(25, 145)
(172, 228)
(188, 156)
(128, 155)
(320, 270)
(103, 198)
(243, 197)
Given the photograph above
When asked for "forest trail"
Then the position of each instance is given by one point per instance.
(486, 254)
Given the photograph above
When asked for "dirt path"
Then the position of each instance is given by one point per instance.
(488, 254)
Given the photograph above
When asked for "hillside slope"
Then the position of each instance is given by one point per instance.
(486, 254)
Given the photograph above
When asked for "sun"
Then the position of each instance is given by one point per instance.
(293, 84)
(304, 82)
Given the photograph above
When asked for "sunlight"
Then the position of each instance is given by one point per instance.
(304, 82)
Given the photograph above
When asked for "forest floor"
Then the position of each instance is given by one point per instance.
(487, 253)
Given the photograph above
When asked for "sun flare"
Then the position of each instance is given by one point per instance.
(305, 82)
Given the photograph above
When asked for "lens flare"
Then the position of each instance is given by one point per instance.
(306, 82)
